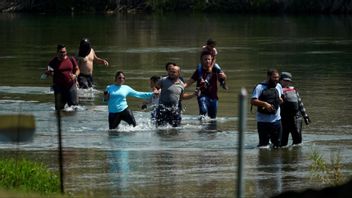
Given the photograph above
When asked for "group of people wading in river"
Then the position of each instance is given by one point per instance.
(280, 109)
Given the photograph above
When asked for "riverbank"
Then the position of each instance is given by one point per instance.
(150, 6)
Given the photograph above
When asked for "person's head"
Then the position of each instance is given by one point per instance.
(285, 79)
(61, 51)
(174, 72)
(84, 47)
(168, 65)
(206, 59)
(120, 78)
(273, 77)
(211, 43)
(153, 80)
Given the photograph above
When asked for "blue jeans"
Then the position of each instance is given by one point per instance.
(207, 106)
(269, 131)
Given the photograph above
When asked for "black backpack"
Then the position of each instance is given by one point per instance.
(271, 96)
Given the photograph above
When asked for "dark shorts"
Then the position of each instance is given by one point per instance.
(168, 115)
(125, 115)
(85, 81)
(65, 95)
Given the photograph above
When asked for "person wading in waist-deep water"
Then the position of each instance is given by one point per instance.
(153, 102)
(168, 65)
(292, 112)
(172, 91)
(64, 70)
(267, 97)
(86, 58)
(207, 75)
(116, 95)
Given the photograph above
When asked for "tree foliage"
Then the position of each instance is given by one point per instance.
(232, 6)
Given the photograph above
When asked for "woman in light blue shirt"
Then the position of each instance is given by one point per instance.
(116, 95)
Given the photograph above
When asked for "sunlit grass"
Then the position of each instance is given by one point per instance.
(328, 174)
(26, 176)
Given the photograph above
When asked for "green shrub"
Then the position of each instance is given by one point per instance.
(27, 176)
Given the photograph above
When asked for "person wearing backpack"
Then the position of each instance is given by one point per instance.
(64, 70)
(267, 97)
(292, 112)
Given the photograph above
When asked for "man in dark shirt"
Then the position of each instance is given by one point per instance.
(207, 76)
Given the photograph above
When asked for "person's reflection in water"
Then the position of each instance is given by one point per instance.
(208, 130)
(272, 167)
(165, 167)
(269, 172)
(119, 169)
(211, 126)
(167, 132)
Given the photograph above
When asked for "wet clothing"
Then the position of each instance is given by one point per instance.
(151, 105)
(292, 114)
(207, 106)
(117, 96)
(269, 131)
(208, 87)
(168, 110)
(168, 115)
(85, 81)
(65, 88)
(125, 115)
(268, 125)
(293, 125)
(63, 96)
(154, 102)
(117, 104)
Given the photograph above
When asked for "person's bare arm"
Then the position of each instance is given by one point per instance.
(100, 60)
(76, 70)
(189, 82)
(186, 96)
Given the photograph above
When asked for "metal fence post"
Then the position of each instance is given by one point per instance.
(241, 128)
(59, 137)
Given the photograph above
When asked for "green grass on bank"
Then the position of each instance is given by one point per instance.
(25, 176)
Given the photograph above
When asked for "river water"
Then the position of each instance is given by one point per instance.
(197, 159)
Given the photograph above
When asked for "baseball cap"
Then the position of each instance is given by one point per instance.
(286, 76)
